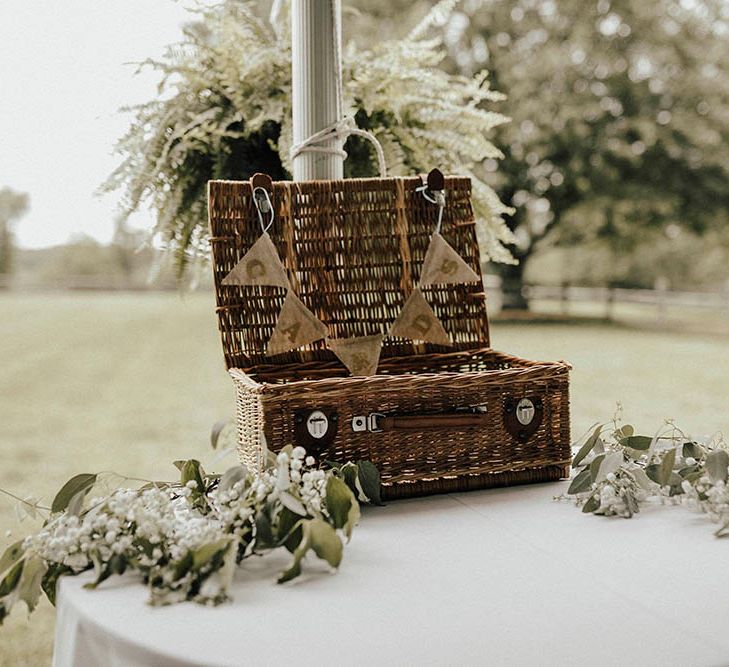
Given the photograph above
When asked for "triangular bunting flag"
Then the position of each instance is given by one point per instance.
(360, 355)
(261, 265)
(417, 321)
(296, 326)
(444, 266)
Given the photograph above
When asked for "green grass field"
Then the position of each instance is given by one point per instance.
(130, 382)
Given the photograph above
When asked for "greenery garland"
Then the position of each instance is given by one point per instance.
(616, 472)
(186, 538)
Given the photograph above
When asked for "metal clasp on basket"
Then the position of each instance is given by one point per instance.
(361, 423)
(434, 192)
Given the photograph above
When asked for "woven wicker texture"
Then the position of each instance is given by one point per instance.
(353, 251)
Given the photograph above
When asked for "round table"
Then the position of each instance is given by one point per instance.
(499, 577)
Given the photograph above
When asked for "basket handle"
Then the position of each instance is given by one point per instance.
(376, 421)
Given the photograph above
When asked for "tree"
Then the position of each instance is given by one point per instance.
(13, 206)
(620, 117)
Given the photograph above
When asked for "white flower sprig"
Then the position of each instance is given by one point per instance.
(186, 538)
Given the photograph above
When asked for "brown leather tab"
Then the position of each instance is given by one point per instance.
(436, 180)
(430, 422)
(262, 181)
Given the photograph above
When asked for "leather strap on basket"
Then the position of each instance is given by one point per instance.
(432, 422)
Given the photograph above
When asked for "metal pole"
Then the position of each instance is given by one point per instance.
(316, 76)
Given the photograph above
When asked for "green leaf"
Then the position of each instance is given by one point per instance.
(581, 482)
(8, 584)
(592, 504)
(292, 503)
(611, 463)
(369, 479)
(11, 555)
(641, 479)
(192, 471)
(322, 538)
(29, 587)
(289, 530)
(79, 484)
(666, 467)
(587, 447)
(183, 566)
(653, 471)
(342, 505)
(50, 580)
(117, 564)
(631, 503)
(595, 466)
(325, 542)
(691, 449)
(264, 531)
(640, 442)
(216, 431)
(716, 465)
(204, 554)
(232, 476)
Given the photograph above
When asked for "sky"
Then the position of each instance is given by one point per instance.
(63, 79)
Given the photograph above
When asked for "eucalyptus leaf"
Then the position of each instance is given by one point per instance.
(610, 464)
(592, 504)
(666, 467)
(11, 555)
(641, 479)
(29, 586)
(691, 449)
(582, 482)
(587, 447)
(716, 465)
(653, 471)
(595, 466)
(78, 484)
(640, 442)
(11, 579)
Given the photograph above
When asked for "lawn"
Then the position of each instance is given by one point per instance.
(129, 382)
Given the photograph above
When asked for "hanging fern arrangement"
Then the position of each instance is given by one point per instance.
(224, 112)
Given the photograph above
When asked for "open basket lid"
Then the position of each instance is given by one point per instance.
(353, 251)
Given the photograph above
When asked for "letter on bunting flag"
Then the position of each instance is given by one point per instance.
(444, 266)
(360, 354)
(261, 265)
(296, 326)
(417, 321)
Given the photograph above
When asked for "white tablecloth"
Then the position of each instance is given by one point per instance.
(500, 577)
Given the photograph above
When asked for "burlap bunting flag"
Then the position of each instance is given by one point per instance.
(417, 321)
(444, 266)
(360, 355)
(261, 265)
(296, 326)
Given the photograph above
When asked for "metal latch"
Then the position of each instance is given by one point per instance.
(362, 423)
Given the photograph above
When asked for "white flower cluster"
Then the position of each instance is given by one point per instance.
(186, 541)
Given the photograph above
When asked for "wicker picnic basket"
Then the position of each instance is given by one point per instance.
(434, 418)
